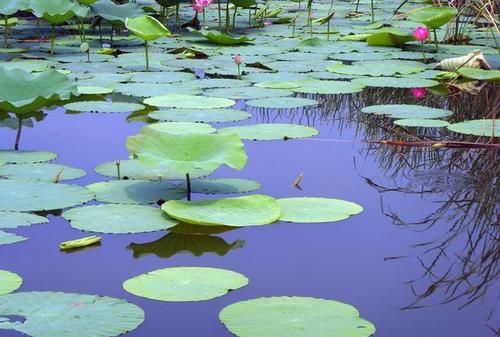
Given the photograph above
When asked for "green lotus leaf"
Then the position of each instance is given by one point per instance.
(200, 115)
(252, 210)
(117, 14)
(180, 128)
(9, 282)
(315, 210)
(146, 27)
(103, 106)
(22, 92)
(135, 191)
(185, 284)
(402, 111)
(93, 90)
(155, 89)
(491, 75)
(389, 37)
(9, 7)
(271, 131)
(294, 316)
(57, 12)
(421, 123)
(18, 219)
(188, 152)
(433, 16)
(395, 82)
(244, 3)
(247, 92)
(223, 186)
(189, 102)
(20, 195)
(20, 157)
(7, 239)
(280, 103)
(80, 243)
(329, 87)
(279, 84)
(77, 315)
(378, 68)
(161, 77)
(118, 219)
(478, 127)
(41, 172)
(87, 2)
(217, 37)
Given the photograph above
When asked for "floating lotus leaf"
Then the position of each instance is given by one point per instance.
(57, 12)
(20, 157)
(189, 102)
(180, 128)
(271, 131)
(252, 210)
(115, 13)
(146, 27)
(50, 314)
(9, 7)
(80, 243)
(314, 210)
(155, 89)
(17, 219)
(396, 82)
(480, 74)
(280, 103)
(103, 106)
(478, 127)
(280, 76)
(24, 92)
(91, 90)
(404, 111)
(200, 115)
(27, 65)
(19, 195)
(135, 169)
(421, 123)
(329, 87)
(175, 243)
(42, 172)
(8, 238)
(378, 68)
(161, 77)
(188, 152)
(9, 282)
(433, 16)
(185, 284)
(279, 84)
(223, 186)
(389, 37)
(118, 219)
(220, 83)
(294, 316)
(247, 92)
(136, 191)
(217, 37)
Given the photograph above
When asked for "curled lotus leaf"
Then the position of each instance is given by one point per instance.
(433, 16)
(146, 27)
(9, 7)
(116, 13)
(9, 282)
(57, 12)
(217, 37)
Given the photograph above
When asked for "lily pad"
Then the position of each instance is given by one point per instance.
(294, 316)
(19, 195)
(247, 92)
(9, 282)
(118, 219)
(77, 315)
(271, 131)
(18, 219)
(280, 103)
(421, 123)
(161, 77)
(223, 186)
(252, 210)
(491, 75)
(136, 191)
(200, 115)
(315, 210)
(217, 37)
(103, 106)
(378, 68)
(21, 157)
(180, 128)
(189, 102)
(185, 284)
(404, 111)
(93, 90)
(8, 238)
(433, 16)
(41, 172)
(478, 127)
(329, 87)
(396, 82)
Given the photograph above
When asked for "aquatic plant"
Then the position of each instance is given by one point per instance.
(8, 8)
(433, 17)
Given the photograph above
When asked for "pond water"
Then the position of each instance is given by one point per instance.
(370, 260)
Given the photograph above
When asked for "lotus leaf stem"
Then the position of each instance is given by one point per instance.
(177, 17)
(188, 187)
(6, 33)
(435, 39)
(373, 12)
(234, 16)
(18, 134)
(228, 19)
(220, 14)
(52, 38)
(146, 54)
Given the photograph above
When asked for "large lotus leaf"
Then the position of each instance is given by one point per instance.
(103, 106)
(42, 172)
(8, 238)
(200, 115)
(135, 169)
(57, 12)
(50, 314)
(189, 102)
(433, 16)
(378, 68)
(314, 210)
(395, 82)
(185, 284)
(329, 87)
(188, 152)
(280, 103)
(271, 131)
(175, 243)
(180, 128)
(294, 317)
(247, 92)
(135, 191)
(17, 219)
(146, 27)
(407, 111)
(155, 89)
(20, 157)
(421, 123)
(93, 90)
(492, 75)
(9, 282)
(389, 37)
(23, 92)
(224, 186)
(252, 210)
(118, 219)
(478, 127)
(9, 7)
(161, 77)
(115, 13)
(19, 195)
(217, 37)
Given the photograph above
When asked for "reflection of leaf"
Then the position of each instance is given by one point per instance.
(175, 243)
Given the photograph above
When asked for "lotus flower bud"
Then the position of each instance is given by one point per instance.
(421, 33)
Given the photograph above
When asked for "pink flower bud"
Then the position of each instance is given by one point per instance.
(268, 23)
(237, 59)
(418, 92)
(421, 33)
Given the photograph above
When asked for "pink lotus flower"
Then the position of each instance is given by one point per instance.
(418, 92)
(421, 33)
(237, 59)
(200, 5)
